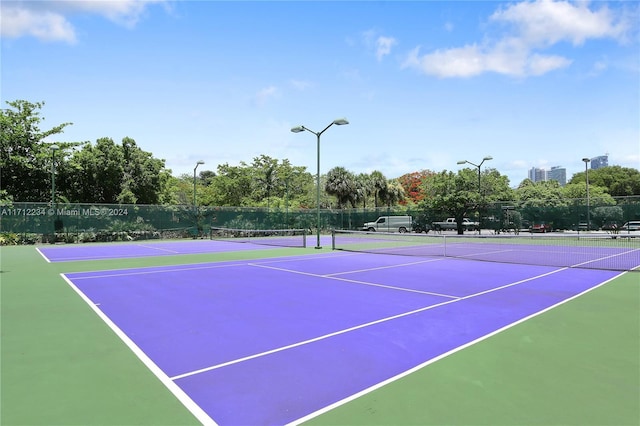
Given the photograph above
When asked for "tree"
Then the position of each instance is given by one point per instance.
(618, 181)
(342, 184)
(230, 187)
(110, 173)
(451, 193)
(544, 202)
(411, 183)
(540, 194)
(379, 183)
(266, 180)
(597, 194)
(25, 159)
(144, 176)
(363, 188)
(97, 173)
(178, 190)
(458, 195)
(393, 193)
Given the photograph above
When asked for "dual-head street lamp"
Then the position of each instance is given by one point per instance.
(298, 129)
(586, 171)
(487, 158)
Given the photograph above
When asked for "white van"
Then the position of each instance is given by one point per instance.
(389, 224)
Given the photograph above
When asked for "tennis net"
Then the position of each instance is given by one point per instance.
(270, 237)
(573, 251)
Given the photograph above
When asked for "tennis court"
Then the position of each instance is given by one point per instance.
(281, 340)
(218, 243)
(215, 332)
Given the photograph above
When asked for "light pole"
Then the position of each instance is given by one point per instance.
(195, 208)
(586, 172)
(194, 181)
(298, 129)
(487, 158)
(53, 148)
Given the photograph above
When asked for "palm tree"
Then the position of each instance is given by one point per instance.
(379, 183)
(393, 193)
(341, 184)
(364, 188)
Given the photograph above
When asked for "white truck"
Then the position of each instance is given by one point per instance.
(400, 224)
(451, 223)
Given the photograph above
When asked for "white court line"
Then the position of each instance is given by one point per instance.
(194, 408)
(419, 262)
(152, 270)
(179, 268)
(441, 356)
(158, 248)
(42, 254)
(607, 257)
(358, 327)
(333, 277)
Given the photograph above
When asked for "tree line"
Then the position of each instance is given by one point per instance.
(107, 172)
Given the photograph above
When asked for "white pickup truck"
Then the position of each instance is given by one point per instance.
(451, 223)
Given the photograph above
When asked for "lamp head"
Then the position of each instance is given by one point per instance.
(340, 121)
(487, 158)
(54, 147)
(462, 162)
(200, 162)
(297, 129)
(586, 160)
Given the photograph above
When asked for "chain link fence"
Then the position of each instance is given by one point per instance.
(71, 223)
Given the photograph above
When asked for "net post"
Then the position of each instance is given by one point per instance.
(333, 239)
(304, 238)
(444, 245)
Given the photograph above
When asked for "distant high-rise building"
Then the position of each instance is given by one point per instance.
(537, 175)
(599, 162)
(558, 173)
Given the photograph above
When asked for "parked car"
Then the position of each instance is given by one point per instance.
(540, 227)
(632, 225)
(420, 226)
(585, 226)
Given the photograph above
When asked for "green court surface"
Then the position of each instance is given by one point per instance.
(577, 364)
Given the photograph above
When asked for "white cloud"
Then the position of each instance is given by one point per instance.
(264, 95)
(535, 26)
(383, 46)
(49, 20)
(301, 84)
(547, 22)
(448, 26)
(599, 67)
(473, 60)
(542, 64)
(123, 12)
(43, 25)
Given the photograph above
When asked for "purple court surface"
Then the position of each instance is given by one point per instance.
(278, 341)
(64, 253)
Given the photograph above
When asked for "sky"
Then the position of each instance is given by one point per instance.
(423, 84)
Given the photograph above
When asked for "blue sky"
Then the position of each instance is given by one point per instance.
(423, 84)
